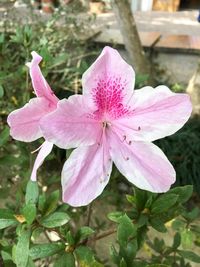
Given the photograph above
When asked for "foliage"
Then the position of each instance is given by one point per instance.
(182, 149)
(65, 241)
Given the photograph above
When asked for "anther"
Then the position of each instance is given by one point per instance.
(139, 128)
(129, 142)
(127, 158)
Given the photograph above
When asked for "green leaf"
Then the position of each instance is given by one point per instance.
(29, 212)
(126, 230)
(140, 198)
(6, 218)
(1, 91)
(192, 215)
(32, 192)
(158, 265)
(70, 239)
(85, 257)
(189, 255)
(22, 248)
(163, 203)
(55, 219)
(4, 136)
(66, 260)
(30, 263)
(177, 241)
(51, 202)
(184, 193)
(45, 250)
(83, 233)
(158, 225)
(123, 263)
(115, 216)
(187, 238)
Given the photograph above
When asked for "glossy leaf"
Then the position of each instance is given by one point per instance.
(55, 219)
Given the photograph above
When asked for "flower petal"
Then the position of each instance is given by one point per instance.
(143, 164)
(156, 113)
(45, 150)
(24, 122)
(85, 174)
(40, 85)
(109, 79)
(71, 125)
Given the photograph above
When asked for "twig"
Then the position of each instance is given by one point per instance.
(89, 214)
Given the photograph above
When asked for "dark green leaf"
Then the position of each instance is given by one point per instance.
(51, 202)
(29, 212)
(6, 218)
(1, 91)
(66, 260)
(86, 258)
(140, 198)
(4, 135)
(163, 203)
(83, 233)
(177, 241)
(184, 192)
(32, 192)
(123, 263)
(158, 225)
(192, 215)
(22, 249)
(55, 219)
(126, 230)
(158, 265)
(45, 250)
(189, 255)
(70, 239)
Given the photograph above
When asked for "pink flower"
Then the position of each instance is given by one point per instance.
(24, 122)
(110, 123)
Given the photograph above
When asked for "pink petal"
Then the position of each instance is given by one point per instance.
(71, 124)
(24, 122)
(85, 174)
(40, 85)
(142, 163)
(109, 81)
(45, 150)
(156, 113)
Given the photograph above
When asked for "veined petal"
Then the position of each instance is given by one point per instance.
(40, 85)
(109, 81)
(142, 163)
(45, 150)
(24, 122)
(85, 174)
(156, 113)
(70, 125)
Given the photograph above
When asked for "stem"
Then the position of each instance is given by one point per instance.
(104, 234)
(89, 214)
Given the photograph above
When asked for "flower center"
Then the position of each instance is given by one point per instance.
(106, 124)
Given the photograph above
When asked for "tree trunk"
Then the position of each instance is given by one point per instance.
(130, 35)
(193, 90)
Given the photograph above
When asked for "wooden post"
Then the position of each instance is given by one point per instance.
(130, 36)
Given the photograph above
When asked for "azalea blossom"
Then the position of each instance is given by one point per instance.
(24, 122)
(110, 123)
